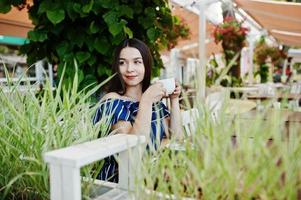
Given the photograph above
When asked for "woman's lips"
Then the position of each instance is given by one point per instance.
(130, 77)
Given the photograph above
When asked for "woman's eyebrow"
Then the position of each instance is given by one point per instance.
(133, 58)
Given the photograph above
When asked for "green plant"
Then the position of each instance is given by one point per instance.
(88, 31)
(262, 52)
(35, 122)
(229, 159)
(212, 71)
(217, 76)
(232, 35)
(263, 72)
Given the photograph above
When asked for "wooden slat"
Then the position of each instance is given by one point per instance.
(88, 152)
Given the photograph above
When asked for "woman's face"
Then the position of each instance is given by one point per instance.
(131, 66)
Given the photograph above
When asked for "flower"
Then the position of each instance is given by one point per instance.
(231, 30)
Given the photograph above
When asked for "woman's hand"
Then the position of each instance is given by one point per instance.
(176, 93)
(154, 93)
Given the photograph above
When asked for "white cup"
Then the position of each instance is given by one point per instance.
(169, 84)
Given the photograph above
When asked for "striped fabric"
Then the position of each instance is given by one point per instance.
(111, 111)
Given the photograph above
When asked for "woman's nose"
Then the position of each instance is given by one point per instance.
(130, 67)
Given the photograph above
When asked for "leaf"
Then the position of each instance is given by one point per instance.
(92, 61)
(101, 45)
(116, 28)
(71, 11)
(87, 8)
(117, 39)
(37, 35)
(110, 17)
(56, 16)
(89, 43)
(108, 3)
(44, 6)
(68, 56)
(76, 36)
(81, 75)
(125, 10)
(150, 12)
(128, 31)
(151, 34)
(93, 27)
(77, 7)
(4, 8)
(103, 70)
(146, 22)
(62, 48)
(82, 56)
(89, 79)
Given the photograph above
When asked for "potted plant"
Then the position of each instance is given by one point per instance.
(262, 53)
(232, 35)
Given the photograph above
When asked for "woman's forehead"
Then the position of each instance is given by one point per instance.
(130, 53)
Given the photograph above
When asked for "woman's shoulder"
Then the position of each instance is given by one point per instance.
(114, 96)
(111, 95)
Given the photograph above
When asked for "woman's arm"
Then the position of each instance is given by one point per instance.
(142, 124)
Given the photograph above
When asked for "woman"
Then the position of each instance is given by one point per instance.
(135, 106)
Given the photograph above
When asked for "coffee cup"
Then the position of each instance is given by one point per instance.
(169, 84)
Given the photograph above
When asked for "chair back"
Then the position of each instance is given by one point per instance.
(215, 102)
(189, 118)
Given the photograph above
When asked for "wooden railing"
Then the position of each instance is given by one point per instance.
(65, 163)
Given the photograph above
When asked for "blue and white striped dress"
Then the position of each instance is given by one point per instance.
(114, 110)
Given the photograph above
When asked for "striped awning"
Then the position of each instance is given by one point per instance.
(15, 23)
(282, 20)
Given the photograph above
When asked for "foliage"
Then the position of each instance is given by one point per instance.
(263, 73)
(212, 71)
(88, 31)
(262, 53)
(180, 29)
(218, 76)
(230, 158)
(231, 30)
(232, 35)
(33, 123)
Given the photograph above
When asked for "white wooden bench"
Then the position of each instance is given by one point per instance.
(65, 164)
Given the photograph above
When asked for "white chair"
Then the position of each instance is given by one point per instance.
(65, 164)
(189, 120)
(295, 89)
(215, 102)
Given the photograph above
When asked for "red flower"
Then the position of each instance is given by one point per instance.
(230, 29)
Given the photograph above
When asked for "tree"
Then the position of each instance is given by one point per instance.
(88, 31)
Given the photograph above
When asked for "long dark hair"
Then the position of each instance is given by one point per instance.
(117, 83)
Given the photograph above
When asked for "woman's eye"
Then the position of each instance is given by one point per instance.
(121, 63)
(137, 62)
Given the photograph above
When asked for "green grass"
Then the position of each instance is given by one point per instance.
(36, 122)
(262, 162)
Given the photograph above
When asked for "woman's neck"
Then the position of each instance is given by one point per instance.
(134, 93)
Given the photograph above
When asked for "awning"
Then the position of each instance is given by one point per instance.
(189, 47)
(12, 40)
(282, 20)
(15, 23)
